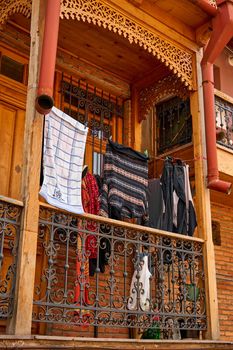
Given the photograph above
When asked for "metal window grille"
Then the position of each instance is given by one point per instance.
(99, 110)
(174, 124)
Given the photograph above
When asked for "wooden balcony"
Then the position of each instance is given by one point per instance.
(101, 302)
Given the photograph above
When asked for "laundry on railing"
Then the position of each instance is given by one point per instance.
(140, 287)
(63, 153)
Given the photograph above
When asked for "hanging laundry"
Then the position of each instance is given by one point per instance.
(63, 153)
(90, 200)
(167, 189)
(125, 184)
(179, 198)
(155, 203)
(140, 287)
(82, 274)
(191, 215)
(179, 213)
(87, 250)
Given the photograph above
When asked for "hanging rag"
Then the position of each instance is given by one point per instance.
(140, 287)
(125, 184)
(155, 203)
(63, 153)
(191, 214)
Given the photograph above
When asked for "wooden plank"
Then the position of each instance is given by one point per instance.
(136, 125)
(17, 157)
(11, 201)
(7, 124)
(24, 289)
(203, 207)
(128, 225)
(225, 160)
(56, 342)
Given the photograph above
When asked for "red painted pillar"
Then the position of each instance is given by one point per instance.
(44, 100)
(222, 33)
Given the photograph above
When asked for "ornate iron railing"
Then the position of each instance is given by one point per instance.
(9, 237)
(67, 294)
(224, 122)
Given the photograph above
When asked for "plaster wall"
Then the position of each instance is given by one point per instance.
(226, 73)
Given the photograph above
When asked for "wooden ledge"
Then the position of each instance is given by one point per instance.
(135, 227)
(55, 342)
(11, 201)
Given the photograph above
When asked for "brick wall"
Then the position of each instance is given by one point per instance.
(224, 269)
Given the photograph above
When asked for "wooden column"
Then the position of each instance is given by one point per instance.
(203, 206)
(20, 324)
(136, 126)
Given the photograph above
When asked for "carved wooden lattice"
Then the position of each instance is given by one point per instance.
(9, 7)
(102, 14)
(169, 86)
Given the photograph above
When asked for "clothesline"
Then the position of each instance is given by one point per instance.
(174, 158)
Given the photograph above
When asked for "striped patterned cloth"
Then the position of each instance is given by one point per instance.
(64, 146)
(125, 182)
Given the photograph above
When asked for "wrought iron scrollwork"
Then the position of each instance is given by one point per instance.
(9, 238)
(224, 122)
(176, 282)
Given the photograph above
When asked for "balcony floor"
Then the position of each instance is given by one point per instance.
(45, 342)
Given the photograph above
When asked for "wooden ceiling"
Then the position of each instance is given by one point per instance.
(113, 53)
(185, 11)
(108, 50)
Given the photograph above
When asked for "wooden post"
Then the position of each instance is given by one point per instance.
(136, 126)
(203, 206)
(21, 322)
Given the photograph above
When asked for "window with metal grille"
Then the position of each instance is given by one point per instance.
(174, 124)
(11, 68)
(99, 110)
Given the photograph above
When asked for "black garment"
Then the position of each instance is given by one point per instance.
(104, 252)
(179, 188)
(192, 221)
(155, 203)
(167, 189)
(175, 179)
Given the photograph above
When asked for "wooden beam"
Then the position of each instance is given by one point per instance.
(84, 343)
(136, 125)
(20, 323)
(203, 207)
(136, 2)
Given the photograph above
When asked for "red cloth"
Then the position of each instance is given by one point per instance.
(91, 205)
(90, 202)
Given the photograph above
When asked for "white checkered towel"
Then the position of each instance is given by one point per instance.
(64, 146)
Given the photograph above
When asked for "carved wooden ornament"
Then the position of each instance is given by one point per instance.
(169, 86)
(100, 13)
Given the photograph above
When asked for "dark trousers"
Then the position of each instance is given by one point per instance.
(167, 189)
(179, 188)
(173, 180)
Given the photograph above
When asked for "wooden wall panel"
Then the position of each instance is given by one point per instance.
(17, 157)
(7, 124)
(11, 131)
